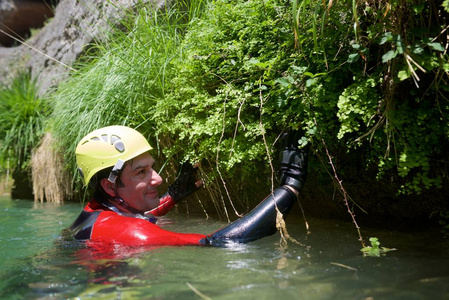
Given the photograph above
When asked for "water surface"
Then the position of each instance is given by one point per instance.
(35, 264)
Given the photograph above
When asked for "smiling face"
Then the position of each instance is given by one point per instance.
(140, 182)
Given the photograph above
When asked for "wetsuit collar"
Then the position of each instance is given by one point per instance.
(130, 211)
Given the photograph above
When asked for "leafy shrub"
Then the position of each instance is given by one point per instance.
(218, 81)
(219, 99)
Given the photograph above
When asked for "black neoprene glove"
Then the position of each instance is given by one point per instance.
(293, 169)
(185, 184)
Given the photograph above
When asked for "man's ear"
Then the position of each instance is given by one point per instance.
(108, 187)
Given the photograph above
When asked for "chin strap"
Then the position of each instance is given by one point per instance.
(122, 208)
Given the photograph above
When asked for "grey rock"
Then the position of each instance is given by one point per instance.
(50, 53)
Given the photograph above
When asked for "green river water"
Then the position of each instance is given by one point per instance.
(329, 264)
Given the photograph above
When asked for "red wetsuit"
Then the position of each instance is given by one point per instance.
(104, 223)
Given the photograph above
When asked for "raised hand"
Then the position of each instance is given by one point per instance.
(186, 182)
(293, 170)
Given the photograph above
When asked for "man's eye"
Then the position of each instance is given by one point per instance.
(141, 172)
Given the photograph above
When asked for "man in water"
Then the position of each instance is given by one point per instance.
(117, 163)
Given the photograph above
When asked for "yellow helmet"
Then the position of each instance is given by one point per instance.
(107, 147)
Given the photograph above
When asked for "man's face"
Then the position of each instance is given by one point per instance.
(140, 183)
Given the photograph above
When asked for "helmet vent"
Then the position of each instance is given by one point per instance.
(119, 146)
(114, 138)
(104, 137)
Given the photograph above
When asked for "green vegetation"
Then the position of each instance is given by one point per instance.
(218, 81)
(374, 250)
(23, 116)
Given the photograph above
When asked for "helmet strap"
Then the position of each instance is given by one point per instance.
(118, 205)
(125, 206)
(122, 204)
(116, 170)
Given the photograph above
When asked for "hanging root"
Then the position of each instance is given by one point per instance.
(282, 228)
(218, 167)
(306, 224)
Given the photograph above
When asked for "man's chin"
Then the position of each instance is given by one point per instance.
(152, 203)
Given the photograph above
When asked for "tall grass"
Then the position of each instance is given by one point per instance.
(23, 116)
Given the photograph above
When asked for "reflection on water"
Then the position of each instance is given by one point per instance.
(37, 265)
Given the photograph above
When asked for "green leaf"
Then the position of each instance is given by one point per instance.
(418, 50)
(446, 65)
(298, 70)
(387, 37)
(308, 74)
(436, 46)
(353, 57)
(446, 5)
(389, 56)
(418, 8)
(283, 81)
(403, 75)
(310, 82)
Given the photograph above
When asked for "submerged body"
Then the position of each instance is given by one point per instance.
(100, 222)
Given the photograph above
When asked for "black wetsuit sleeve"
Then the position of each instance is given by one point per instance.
(260, 222)
(82, 227)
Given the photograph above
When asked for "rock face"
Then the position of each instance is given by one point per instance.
(50, 53)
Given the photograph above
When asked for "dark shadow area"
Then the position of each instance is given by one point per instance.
(19, 17)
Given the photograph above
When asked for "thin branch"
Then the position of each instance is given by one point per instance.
(237, 126)
(196, 291)
(218, 167)
(345, 194)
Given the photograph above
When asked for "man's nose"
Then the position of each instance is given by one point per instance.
(156, 179)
